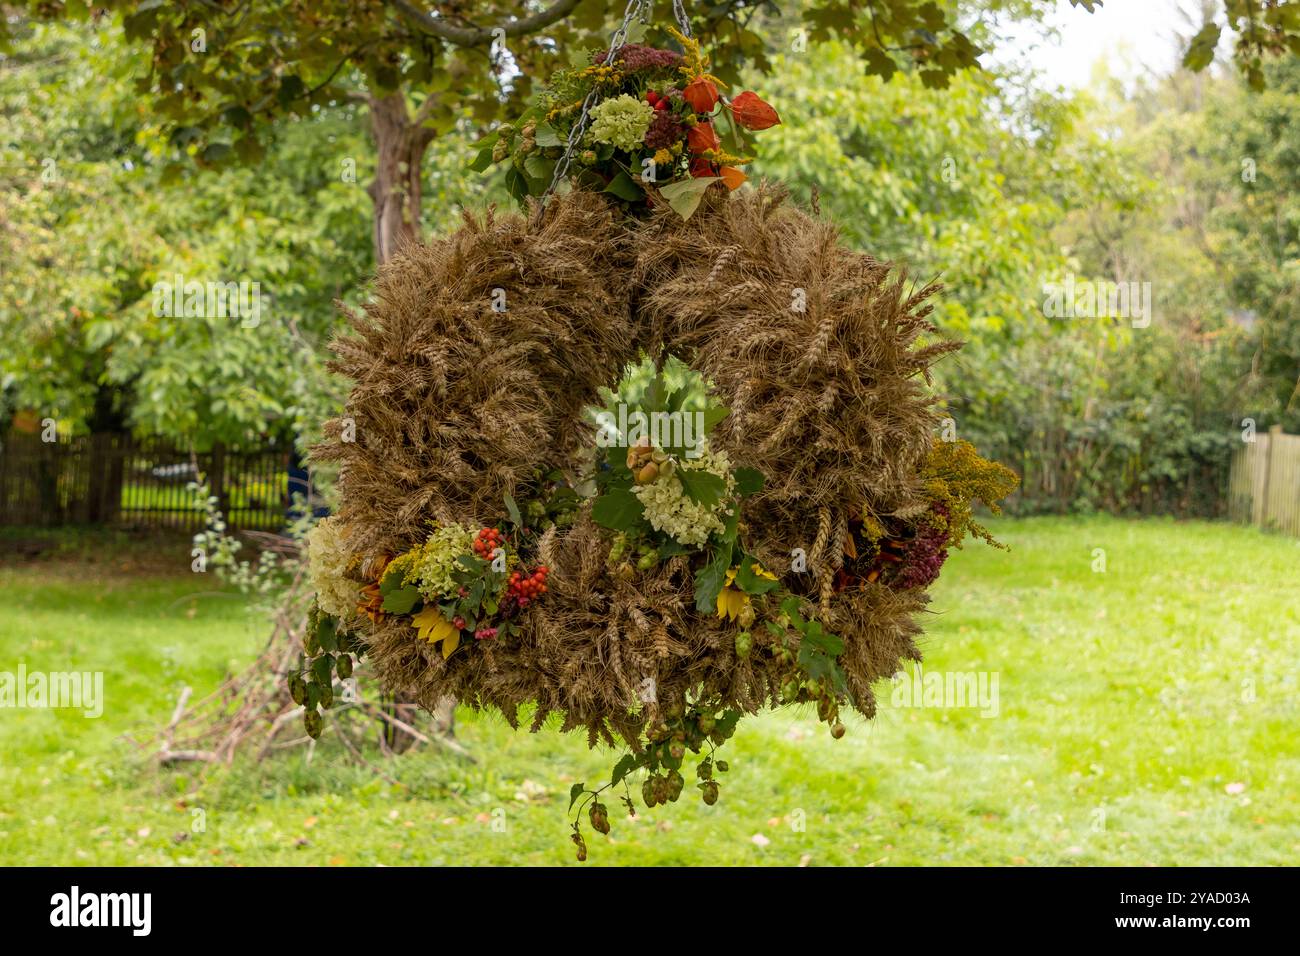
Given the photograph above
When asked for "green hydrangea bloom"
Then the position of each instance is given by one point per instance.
(621, 121)
(431, 565)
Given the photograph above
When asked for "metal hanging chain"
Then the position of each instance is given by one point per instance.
(635, 10)
(683, 21)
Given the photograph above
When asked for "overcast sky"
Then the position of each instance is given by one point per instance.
(1132, 36)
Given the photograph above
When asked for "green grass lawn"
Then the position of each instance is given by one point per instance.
(1147, 714)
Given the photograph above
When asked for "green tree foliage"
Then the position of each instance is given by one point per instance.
(93, 217)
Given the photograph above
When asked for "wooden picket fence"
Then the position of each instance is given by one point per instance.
(120, 481)
(1264, 484)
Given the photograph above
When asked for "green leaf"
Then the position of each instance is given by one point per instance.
(790, 608)
(575, 792)
(546, 136)
(752, 583)
(1200, 52)
(540, 172)
(327, 633)
(512, 510)
(481, 161)
(516, 185)
(710, 578)
(322, 668)
(673, 547)
(402, 600)
(684, 196)
(618, 509)
(749, 481)
(624, 187)
(626, 764)
(714, 414)
(823, 640)
(702, 486)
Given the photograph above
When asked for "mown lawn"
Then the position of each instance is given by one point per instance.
(1147, 714)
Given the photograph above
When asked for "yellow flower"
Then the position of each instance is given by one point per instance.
(663, 157)
(431, 626)
(762, 572)
(731, 602)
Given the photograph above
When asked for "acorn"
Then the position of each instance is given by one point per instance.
(710, 791)
(837, 730)
(639, 454)
(647, 473)
(744, 644)
(599, 816)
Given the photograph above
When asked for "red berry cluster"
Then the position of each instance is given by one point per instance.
(659, 103)
(487, 541)
(485, 633)
(527, 588)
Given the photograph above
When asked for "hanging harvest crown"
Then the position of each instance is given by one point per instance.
(750, 519)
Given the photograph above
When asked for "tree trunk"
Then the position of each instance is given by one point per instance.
(400, 143)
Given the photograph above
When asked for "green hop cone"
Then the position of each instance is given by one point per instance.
(723, 766)
(837, 730)
(675, 784)
(790, 690)
(744, 643)
(707, 724)
(344, 666)
(648, 791)
(581, 844)
(599, 817)
(647, 561)
(710, 791)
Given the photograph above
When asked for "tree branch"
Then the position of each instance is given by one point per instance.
(477, 36)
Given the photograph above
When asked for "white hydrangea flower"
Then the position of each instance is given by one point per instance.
(669, 509)
(327, 561)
